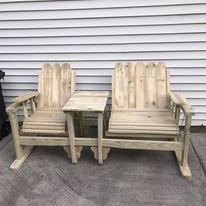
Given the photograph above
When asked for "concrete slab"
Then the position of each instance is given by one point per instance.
(198, 141)
(128, 177)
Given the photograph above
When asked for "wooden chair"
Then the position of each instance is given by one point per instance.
(46, 123)
(145, 113)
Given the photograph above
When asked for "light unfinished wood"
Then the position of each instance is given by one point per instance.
(145, 113)
(33, 105)
(105, 151)
(87, 101)
(70, 123)
(15, 132)
(100, 136)
(140, 135)
(18, 162)
(56, 84)
(143, 144)
(83, 101)
(140, 85)
(162, 85)
(25, 97)
(78, 150)
(136, 85)
(42, 122)
(143, 122)
(185, 170)
(56, 141)
(180, 100)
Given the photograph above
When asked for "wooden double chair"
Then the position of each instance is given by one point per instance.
(145, 113)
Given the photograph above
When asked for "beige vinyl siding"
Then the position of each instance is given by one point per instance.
(92, 35)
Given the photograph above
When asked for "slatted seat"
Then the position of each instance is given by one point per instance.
(143, 122)
(140, 104)
(45, 122)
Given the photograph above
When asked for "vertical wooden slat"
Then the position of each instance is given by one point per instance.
(72, 82)
(45, 85)
(25, 109)
(40, 87)
(65, 83)
(161, 85)
(33, 105)
(113, 88)
(132, 96)
(125, 91)
(68, 79)
(119, 86)
(45, 81)
(100, 136)
(140, 85)
(62, 84)
(168, 87)
(177, 113)
(151, 89)
(56, 85)
(42, 92)
(50, 85)
(40, 82)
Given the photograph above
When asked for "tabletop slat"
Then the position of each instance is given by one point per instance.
(87, 101)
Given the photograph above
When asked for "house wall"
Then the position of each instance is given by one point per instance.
(92, 35)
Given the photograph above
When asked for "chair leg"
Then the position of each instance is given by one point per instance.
(185, 170)
(70, 122)
(20, 159)
(21, 153)
(81, 124)
(183, 156)
(100, 136)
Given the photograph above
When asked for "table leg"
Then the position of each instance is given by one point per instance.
(100, 136)
(81, 126)
(70, 124)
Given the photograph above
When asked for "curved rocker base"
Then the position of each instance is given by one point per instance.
(78, 150)
(18, 162)
(105, 151)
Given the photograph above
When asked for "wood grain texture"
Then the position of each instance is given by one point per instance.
(25, 97)
(82, 101)
(143, 144)
(70, 124)
(140, 85)
(100, 136)
(87, 101)
(151, 85)
(136, 85)
(144, 109)
(56, 84)
(161, 85)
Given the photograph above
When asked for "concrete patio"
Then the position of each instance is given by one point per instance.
(127, 178)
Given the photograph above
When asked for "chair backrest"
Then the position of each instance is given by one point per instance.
(56, 84)
(140, 86)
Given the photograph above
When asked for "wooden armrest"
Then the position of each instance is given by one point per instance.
(13, 107)
(180, 100)
(25, 97)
